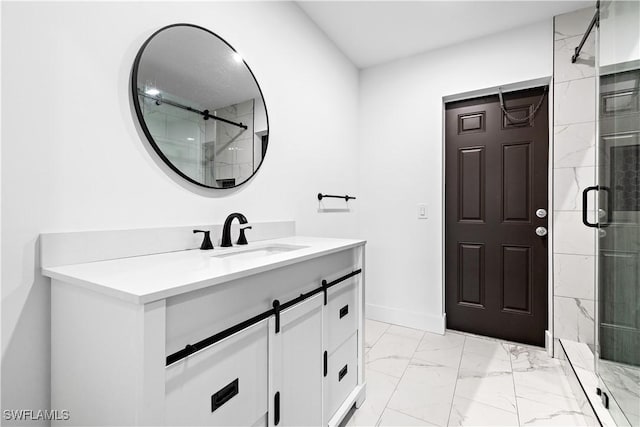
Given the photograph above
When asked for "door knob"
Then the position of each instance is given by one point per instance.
(541, 213)
(541, 231)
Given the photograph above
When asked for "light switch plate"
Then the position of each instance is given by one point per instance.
(423, 212)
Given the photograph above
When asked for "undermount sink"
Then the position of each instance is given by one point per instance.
(263, 251)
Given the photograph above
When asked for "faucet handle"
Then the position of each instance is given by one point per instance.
(242, 240)
(206, 242)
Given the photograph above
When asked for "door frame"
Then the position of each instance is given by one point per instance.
(510, 87)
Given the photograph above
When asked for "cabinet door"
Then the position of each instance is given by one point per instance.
(340, 314)
(342, 376)
(222, 385)
(296, 365)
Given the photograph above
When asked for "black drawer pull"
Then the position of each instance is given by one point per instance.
(276, 408)
(224, 394)
(342, 373)
(344, 311)
(326, 364)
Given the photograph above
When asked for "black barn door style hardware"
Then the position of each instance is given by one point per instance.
(344, 311)
(324, 289)
(325, 361)
(205, 114)
(276, 408)
(276, 312)
(594, 21)
(277, 308)
(342, 373)
(330, 196)
(224, 395)
(192, 348)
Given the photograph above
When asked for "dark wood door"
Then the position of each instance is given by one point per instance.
(496, 179)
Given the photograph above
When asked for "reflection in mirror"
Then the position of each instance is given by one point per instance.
(200, 106)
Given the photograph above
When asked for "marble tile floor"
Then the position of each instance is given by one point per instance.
(417, 378)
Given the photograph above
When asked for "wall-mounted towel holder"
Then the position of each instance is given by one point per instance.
(345, 197)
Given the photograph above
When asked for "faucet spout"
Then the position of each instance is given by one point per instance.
(226, 230)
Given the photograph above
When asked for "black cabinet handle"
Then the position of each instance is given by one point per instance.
(342, 373)
(326, 363)
(344, 311)
(276, 408)
(224, 394)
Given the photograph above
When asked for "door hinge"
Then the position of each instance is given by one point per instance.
(276, 408)
(326, 367)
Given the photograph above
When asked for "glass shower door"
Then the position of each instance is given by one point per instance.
(618, 245)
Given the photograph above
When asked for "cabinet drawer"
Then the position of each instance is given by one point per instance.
(341, 313)
(342, 375)
(224, 384)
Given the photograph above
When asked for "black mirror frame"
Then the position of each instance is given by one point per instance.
(143, 124)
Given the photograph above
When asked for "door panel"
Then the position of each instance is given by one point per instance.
(516, 278)
(496, 178)
(223, 385)
(297, 365)
(618, 249)
(516, 182)
(471, 274)
(472, 173)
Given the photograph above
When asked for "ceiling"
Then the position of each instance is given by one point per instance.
(183, 62)
(374, 32)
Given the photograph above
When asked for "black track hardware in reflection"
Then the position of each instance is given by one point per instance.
(205, 114)
(594, 21)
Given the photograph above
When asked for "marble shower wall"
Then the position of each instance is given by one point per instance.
(573, 170)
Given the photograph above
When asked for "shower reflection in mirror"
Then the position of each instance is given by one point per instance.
(200, 106)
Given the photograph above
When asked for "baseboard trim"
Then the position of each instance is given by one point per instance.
(410, 319)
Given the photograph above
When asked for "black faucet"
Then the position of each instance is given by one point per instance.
(206, 242)
(226, 230)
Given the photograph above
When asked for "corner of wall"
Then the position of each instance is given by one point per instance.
(409, 319)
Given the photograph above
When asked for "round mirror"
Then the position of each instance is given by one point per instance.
(200, 106)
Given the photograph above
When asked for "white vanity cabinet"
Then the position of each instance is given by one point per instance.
(217, 351)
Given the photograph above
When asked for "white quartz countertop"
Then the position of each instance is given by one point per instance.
(143, 279)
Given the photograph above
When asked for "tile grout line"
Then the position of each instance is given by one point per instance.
(367, 351)
(398, 383)
(513, 380)
(575, 79)
(453, 397)
(384, 332)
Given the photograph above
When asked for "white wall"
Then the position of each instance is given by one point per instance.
(401, 161)
(73, 160)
